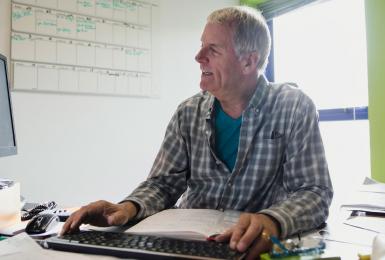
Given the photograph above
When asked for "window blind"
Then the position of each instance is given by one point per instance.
(274, 8)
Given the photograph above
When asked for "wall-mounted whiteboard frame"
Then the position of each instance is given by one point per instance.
(101, 47)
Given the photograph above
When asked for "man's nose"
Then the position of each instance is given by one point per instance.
(201, 57)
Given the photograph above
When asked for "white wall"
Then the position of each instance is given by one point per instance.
(75, 148)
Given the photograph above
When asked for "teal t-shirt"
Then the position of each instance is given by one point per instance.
(226, 136)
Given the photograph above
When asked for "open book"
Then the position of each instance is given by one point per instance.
(196, 224)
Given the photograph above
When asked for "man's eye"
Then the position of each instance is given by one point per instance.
(214, 51)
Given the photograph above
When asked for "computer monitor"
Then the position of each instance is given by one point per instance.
(7, 130)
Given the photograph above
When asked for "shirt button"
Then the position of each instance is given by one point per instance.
(230, 184)
(218, 162)
(256, 110)
(207, 132)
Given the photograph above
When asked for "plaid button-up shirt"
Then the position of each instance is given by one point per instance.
(280, 168)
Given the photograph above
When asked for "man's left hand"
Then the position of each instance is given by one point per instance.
(252, 233)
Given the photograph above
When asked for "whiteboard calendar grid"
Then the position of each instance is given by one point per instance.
(101, 47)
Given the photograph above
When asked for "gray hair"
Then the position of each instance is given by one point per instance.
(251, 32)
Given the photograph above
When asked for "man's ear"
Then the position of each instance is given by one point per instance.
(249, 62)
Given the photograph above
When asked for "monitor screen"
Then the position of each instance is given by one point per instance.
(7, 132)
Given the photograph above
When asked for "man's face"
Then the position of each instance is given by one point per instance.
(221, 68)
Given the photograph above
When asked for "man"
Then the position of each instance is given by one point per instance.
(242, 144)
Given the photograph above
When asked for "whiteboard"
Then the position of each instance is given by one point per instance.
(83, 46)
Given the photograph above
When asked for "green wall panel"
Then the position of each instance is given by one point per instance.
(251, 2)
(375, 27)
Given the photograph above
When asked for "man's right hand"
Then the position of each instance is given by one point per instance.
(100, 213)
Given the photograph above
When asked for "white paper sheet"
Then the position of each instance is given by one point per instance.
(376, 224)
(24, 247)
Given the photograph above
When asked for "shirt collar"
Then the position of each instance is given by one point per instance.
(255, 101)
(209, 106)
(259, 93)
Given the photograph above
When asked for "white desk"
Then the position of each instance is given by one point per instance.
(341, 241)
(346, 241)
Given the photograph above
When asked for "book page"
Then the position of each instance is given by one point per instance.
(186, 223)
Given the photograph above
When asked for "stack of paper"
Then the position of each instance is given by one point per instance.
(370, 197)
(369, 202)
(366, 202)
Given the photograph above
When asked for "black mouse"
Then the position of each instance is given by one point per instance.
(41, 223)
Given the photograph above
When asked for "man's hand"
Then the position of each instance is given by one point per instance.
(251, 232)
(100, 213)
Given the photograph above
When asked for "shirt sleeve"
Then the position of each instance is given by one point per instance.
(167, 179)
(305, 175)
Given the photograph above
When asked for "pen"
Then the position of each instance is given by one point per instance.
(278, 243)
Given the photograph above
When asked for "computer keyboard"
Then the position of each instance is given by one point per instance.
(141, 246)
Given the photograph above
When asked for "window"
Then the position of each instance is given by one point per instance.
(322, 47)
